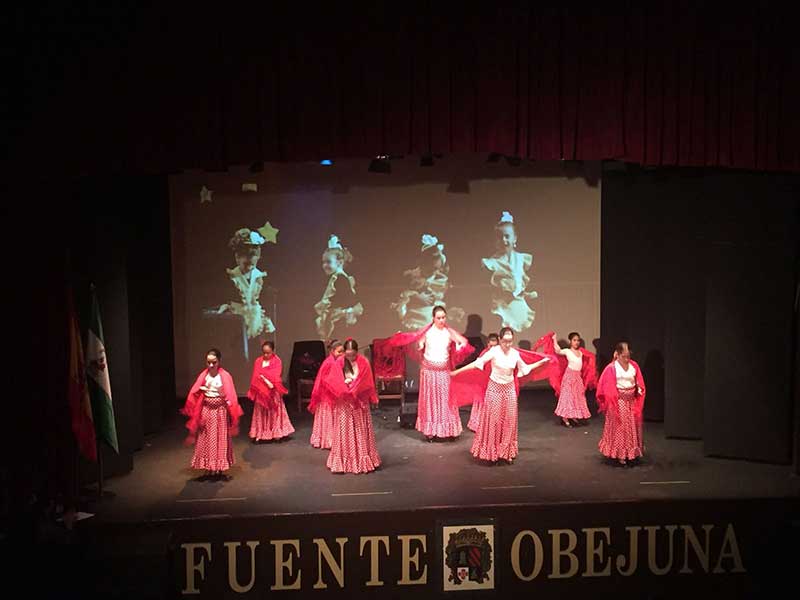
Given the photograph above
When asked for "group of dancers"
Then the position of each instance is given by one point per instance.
(344, 391)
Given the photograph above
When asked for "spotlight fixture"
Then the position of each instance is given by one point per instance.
(513, 161)
(494, 157)
(257, 166)
(380, 164)
(326, 162)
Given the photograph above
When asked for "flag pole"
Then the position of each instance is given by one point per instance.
(99, 471)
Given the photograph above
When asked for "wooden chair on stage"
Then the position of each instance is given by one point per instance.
(307, 356)
(389, 371)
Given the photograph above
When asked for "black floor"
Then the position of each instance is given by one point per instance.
(555, 465)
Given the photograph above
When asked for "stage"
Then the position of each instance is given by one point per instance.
(555, 465)
(553, 518)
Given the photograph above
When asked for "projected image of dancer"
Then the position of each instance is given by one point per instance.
(572, 372)
(620, 395)
(428, 283)
(475, 413)
(213, 410)
(320, 407)
(496, 437)
(439, 348)
(339, 306)
(270, 419)
(351, 390)
(248, 280)
(510, 278)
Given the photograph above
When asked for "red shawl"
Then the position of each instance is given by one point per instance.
(469, 387)
(316, 393)
(194, 404)
(558, 364)
(359, 392)
(410, 340)
(607, 391)
(260, 392)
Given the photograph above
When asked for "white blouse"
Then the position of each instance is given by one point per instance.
(354, 374)
(503, 364)
(626, 379)
(573, 362)
(437, 344)
(213, 386)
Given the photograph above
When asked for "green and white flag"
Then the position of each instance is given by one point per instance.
(99, 381)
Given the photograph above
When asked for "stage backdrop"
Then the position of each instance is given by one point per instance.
(320, 252)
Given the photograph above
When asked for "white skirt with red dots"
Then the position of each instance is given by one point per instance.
(622, 433)
(213, 449)
(435, 416)
(353, 448)
(497, 434)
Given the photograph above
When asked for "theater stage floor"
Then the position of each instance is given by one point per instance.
(555, 465)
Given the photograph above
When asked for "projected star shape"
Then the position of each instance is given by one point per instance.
(205, 195)
(269, 232)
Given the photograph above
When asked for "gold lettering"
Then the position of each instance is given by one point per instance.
(594, 551)
(374, 542)
(733, 553)
(336, 568)
(233, 580)
(408, 559)
(282, 563)
(558, 552)
(538, 556)
(192, 567)
(633, 547)
(651, 548)
(702, 554)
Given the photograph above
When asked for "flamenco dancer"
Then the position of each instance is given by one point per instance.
(213, 410)
(351, 390)
(428, 283)
(620, 395)
(270, 419)
(320, 407)
(475, 413)
(510, 279)
(439, 349)
(496, 437)
(339, 304)
(572, 373)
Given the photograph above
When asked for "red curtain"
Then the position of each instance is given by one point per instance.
(658, 83)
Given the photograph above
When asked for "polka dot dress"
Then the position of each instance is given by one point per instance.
(622, 435)
(353, 448)
(572, 399)
(213, 450)
(475, 416)
(322, 431)
(270, 423)
(435, 416)
(497, 435)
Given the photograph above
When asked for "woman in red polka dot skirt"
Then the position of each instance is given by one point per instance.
(213, 410)
(351, 389)
(270, 419)
(620, 395)
(497, 434)
(438, 348)
(572, 371)
(322, 431)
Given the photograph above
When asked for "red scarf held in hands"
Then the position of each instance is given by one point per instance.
(359, 392)
(558, 364)
(260, 392)
(410, 341)
(193, 408)
(469, 387)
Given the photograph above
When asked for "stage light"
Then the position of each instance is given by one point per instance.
(426, 160)
(380, 164)
(327, 162)
(513, 161)
(494, 157)
(257, 166)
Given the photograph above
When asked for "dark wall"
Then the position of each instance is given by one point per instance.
(698, 272)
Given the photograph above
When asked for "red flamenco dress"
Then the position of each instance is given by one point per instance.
(270, 419)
